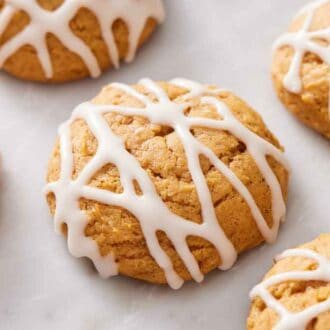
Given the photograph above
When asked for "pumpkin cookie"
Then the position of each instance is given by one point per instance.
(295, 293)
(63, 40)
(167, 181)
(301, 69)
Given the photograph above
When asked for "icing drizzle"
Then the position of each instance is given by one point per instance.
(302, 42)
(134, 13)
(169, 113)
(299, 320)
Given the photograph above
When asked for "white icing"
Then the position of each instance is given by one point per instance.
(134, 13)
(295, 320)
(302, 42)
(112, 150)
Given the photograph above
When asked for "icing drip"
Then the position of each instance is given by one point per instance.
(134, 13)
(302, 42)
(169, 113)
(299, 320)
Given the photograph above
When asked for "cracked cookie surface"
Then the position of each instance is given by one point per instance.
(300, 68)
(306, 300)
(59, 40)
(160, 153)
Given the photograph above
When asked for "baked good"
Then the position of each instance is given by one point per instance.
(301, 66)
(170, 180)
(62, 40)
(295, 293)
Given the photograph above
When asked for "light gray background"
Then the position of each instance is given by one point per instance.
(42, 287)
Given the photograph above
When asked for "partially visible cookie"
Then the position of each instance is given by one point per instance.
(295, 293)
(300, 69)
(165, 182)
(64, 40)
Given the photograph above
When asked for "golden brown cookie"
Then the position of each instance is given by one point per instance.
(295, 293)
(61, 40)
(301, 69)
(170, 180)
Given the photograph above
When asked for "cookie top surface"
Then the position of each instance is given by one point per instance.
(63, 40)
(295, 293)
(301, 66)
(170, 180)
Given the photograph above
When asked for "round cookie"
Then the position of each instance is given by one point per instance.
(167, 181)
(301, 69)
(63, 40)
(295, 293)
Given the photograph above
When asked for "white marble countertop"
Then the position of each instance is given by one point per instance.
(42, 287)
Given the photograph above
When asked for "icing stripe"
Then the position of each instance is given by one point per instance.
(134, 13)
(6, 15)
(169, 113)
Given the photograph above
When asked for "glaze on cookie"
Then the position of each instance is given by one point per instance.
(301, 69)
(63, 40)
(166, 181)
(295, 294)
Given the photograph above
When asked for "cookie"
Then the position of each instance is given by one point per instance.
(295, 294)
(63, 40)
(301, 69)
(166, 181)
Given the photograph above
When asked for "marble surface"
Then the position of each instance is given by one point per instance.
(42, 287)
